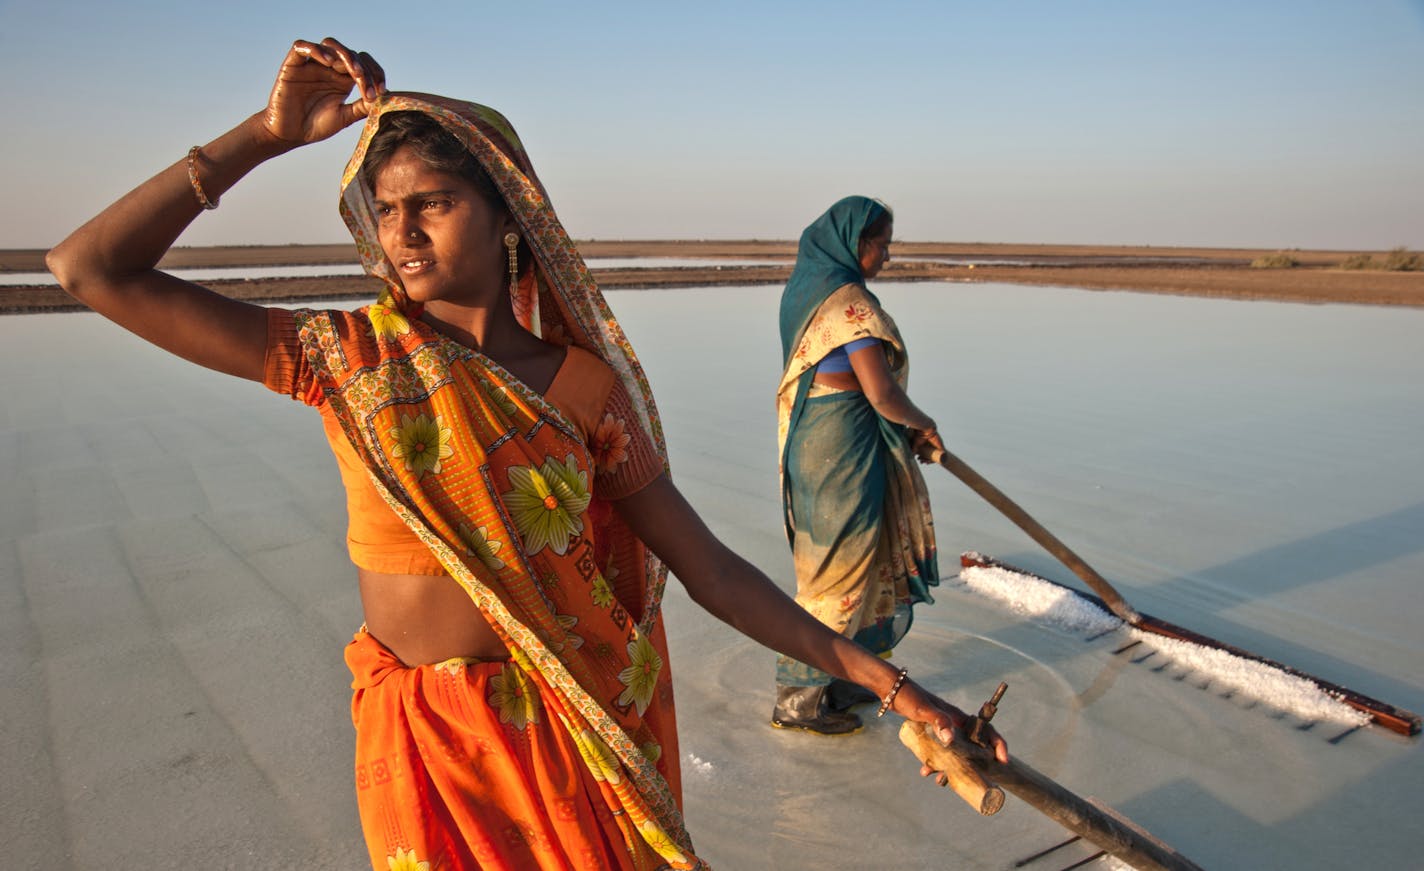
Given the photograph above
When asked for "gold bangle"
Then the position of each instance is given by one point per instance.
(197, 185)
(889, 699)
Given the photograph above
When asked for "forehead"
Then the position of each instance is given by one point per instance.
(405, 174)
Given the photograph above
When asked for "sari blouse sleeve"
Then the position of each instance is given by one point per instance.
(625, 460)
(286, 368)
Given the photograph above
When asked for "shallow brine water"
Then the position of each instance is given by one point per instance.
(175, 593)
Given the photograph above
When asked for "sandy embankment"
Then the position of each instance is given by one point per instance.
(1213, 272)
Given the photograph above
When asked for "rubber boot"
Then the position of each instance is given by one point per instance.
(842, 695)
(805, 708)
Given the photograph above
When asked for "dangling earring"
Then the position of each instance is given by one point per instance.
(525, 300)
(511, 241)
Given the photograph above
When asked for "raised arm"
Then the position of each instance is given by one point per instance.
(110, 263)
(734, 591)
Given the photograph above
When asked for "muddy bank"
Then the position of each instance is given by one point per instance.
(1211, 272)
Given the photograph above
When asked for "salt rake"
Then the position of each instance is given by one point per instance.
(1392, 718)
(966, 766)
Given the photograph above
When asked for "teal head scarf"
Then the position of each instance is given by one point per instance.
(827, 259)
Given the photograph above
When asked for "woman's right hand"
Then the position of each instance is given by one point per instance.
(308, 100)
(927, 444)
(946, 722)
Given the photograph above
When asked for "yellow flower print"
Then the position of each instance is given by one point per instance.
(610, 444)
(521, 659)
(515, 697)
(500, 397)
(422, 443)
(405, 860)
(601, 761)
(547, 503)
(641, 675)
(601, 591)
(387, 322)
(661, 842)
(478, 542)
(569, 621)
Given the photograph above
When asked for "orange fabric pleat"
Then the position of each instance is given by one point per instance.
(440, 779)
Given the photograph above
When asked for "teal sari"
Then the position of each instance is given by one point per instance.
(854, 502)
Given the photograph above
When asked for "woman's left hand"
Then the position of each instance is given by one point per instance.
(945, 720)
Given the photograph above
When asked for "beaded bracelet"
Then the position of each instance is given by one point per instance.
(889, 699)
(197, 185)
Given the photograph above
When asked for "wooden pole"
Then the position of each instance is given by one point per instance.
(1010, 509)
(986, 798)
(1092, 820)
(1392, 718)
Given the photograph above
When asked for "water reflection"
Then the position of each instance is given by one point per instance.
(1252, 470)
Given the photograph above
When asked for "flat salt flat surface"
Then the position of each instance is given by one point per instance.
(174, 592)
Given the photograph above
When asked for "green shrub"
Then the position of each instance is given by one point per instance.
(1403, 260)
(1278, 260)
(1359, 261)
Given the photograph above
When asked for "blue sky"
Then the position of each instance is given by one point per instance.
(1242, 124)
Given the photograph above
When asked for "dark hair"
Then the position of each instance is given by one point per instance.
(440, 149)
(879, 225)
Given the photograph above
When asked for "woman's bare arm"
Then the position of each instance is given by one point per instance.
(888, 399)
(110, 263)
(734, 591)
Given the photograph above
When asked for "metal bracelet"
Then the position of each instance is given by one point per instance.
(889, 699)
(193, 180)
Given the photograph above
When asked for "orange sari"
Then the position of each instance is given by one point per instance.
(565, 755)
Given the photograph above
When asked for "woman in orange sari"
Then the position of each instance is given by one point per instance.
(512, 518)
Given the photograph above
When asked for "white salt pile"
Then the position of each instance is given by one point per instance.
(1058, 606)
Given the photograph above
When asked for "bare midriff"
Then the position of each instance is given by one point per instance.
(838, 380)
(424, 619)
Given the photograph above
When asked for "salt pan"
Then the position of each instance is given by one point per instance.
(1058, 606)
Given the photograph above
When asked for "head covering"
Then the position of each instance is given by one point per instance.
(558, 300)
(852, 493)
(460, 451)
(827, 259)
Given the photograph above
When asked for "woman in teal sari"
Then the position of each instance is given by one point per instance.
(856, 510)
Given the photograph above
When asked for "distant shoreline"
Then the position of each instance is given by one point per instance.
(1206, 272)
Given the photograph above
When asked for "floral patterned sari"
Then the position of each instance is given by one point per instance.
(856, 508)
(506, 493)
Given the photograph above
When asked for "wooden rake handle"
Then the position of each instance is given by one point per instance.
(1010, 509)
(1092, 820)
(955, 772)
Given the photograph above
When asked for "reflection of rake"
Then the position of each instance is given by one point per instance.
(1395, 719)
(964, 766)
